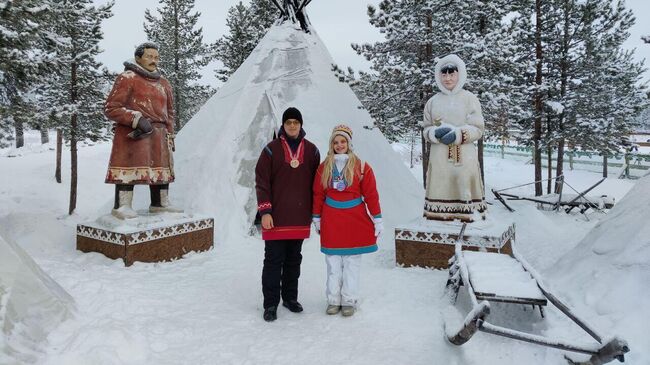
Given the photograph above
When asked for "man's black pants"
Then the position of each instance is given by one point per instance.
(281, 271)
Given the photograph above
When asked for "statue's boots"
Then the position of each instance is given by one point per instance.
(123, 209)
(160, 201)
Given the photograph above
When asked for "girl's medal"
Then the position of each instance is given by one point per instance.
(339, 184)
(294, 163)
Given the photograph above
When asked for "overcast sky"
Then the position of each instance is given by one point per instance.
(338, 22)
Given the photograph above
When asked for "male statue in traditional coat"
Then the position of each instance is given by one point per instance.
(141, 108)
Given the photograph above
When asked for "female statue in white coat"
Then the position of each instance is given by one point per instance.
(452, 123)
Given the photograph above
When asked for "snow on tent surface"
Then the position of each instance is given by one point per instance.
(31, 305)
(220, 145)
(610, 272)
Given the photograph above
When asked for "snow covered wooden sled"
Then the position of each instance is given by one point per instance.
(557, 200)
(484, 275)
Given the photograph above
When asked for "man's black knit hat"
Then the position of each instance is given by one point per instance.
(292, 113)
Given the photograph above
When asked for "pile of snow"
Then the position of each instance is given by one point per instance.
(31, 305)
(218, 149)
(608, 272)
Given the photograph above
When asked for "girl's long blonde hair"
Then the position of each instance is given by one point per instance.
(328, 168)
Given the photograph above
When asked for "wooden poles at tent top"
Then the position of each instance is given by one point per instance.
(293, 10)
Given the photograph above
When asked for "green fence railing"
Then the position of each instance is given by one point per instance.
(630, 160)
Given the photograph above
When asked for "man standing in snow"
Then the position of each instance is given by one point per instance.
(283, 182)
(141, 107)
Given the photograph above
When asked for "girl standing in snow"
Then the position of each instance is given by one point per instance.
(344, 192)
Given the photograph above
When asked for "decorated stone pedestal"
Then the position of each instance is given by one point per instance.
(430, 244)
(147, 238)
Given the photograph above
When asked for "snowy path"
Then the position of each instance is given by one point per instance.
(206, 308)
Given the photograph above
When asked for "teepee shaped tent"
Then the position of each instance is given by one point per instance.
(218, 148)
(31, 305)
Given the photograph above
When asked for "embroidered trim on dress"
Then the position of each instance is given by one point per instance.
(139, 175)
(464, 138)
(447, 210)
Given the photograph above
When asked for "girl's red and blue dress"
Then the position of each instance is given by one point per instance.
(346, 213)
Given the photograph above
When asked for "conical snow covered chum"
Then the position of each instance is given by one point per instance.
(218, 148)
(31, 305)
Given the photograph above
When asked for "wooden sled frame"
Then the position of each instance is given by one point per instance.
(569, 206)
(476, 319)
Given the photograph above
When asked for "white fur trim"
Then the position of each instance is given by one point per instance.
(429, 134)
(459, 135)
(462, 73)
(343, 134)
(340, 160)
(136, 118)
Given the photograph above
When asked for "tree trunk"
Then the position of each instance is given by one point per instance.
(605, 164)
(482, 27)
(73, 164)
(178, 109)
(59, 147)
(73, 142)
(559, 170)
(564, 75)
(537, 135)
(549, 168)
(45, 137)
(20, 133)
(549, 152)
(427, 55)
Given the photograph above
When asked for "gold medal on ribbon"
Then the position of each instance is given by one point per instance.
(294, 158)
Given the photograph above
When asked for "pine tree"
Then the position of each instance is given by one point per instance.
(24, 56)
(264, 14)
(420, 31)
(182, 54)
(402, 66)
(611, 95)
(570, 50)
(488, 46)
(233, 48)
(247, 25)
(74, 95)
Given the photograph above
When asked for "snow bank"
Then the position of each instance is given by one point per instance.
(31, 305)
(608, 273)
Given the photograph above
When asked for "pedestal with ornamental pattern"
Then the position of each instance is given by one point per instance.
(147, 238)
(430, 244)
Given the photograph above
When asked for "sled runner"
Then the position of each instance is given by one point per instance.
(510, 279)
(568, 201)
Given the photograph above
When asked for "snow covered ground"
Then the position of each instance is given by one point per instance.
(206, 308)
